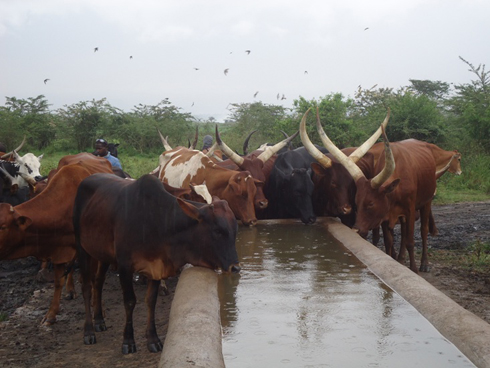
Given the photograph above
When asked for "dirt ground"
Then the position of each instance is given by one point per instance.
(25, 343)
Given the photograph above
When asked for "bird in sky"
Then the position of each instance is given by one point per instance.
(96, 49)
(248, 52)
(226, 71)
(192, 104)
(256, 93)
(196, 68)
(131, 57)
(366, 28)
(278, 95)
(283, 97)
(46, 80)
(306, 71)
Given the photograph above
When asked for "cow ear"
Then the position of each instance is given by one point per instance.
(391, 187)
(40, 157)
(317, 169)
(23, 222)
(189, 209)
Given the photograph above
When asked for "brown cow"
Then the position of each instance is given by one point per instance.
(42, 227)
(139, 227)
(397, 191)
(181, 166)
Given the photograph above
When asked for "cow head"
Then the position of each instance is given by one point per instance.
(215, 233)
(371, 199)
(239, 193)
(12, 229)
(254, 164)
(29, 165)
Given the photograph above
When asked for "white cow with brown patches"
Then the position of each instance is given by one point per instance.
(181, 166)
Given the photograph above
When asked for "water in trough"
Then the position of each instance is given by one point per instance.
(303, 300)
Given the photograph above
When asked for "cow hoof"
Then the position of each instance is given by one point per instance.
(155, 347)
(424, 268)
(100, 327)
(128, 348)
(89, 340)
(48, 321)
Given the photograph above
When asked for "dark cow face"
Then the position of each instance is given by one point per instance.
(216, 233)
(255, 167)
(299, 188)
(239, 193)
(12, 229)
(373, 204)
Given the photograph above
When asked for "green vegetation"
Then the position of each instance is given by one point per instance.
(451, 116)
(3, 317)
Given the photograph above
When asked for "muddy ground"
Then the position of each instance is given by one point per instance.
(25, 343)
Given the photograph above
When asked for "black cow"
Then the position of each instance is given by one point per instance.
(289, 188)
(139, 227)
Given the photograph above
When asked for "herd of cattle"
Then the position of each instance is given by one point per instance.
(186, 210)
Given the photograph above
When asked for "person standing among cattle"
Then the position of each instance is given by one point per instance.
(101, 149)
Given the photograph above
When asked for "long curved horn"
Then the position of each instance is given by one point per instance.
(7, 155)
(349, 165)
(245, 144)
(228, 151)
(164, 141)
(211, 153)
(310, 147)
(7, 174)
(28, 178)
(389, 168)
(366, 146)
(194, 144)
(286, 136)
(269, 151)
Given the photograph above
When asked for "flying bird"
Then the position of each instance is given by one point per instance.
(256, 93)
(278, 95)
(196, 68)
(226, 71)
(192, 104)
(306, 71)
(46, 80)
(131, 57)
(366, 28)
(248, 52)
(283, 97)
(96, 49)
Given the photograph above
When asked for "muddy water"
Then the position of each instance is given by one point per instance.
(302, 300)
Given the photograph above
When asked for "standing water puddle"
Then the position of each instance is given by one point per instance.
(303, 300)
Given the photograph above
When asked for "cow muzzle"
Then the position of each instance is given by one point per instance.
(234, 268)
(346, 210)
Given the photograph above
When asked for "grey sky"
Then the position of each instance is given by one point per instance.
(405, 39)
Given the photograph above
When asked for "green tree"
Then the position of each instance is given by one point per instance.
(33, 118)
(85, 120)
(472, 105)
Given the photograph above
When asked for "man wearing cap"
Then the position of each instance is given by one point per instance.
(102, 151)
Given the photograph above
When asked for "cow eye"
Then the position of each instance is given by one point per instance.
(29, 170)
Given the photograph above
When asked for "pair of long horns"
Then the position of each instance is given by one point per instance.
(7, 155)
(349, 162)
(264, 156)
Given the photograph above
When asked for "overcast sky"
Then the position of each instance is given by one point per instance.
(297, 48)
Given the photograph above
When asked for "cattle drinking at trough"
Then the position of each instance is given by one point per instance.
(139, 227)
(404, 182)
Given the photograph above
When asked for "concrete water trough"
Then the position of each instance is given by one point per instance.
(194, 337)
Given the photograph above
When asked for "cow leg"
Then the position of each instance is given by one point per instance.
(409, 240)
(388, 240)
(70, 286)
(50, 317)
(99, 323)
(152, 341)
(375, 236)
(86, 276)
(425, 216)
(126, 280)
(432, 225)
